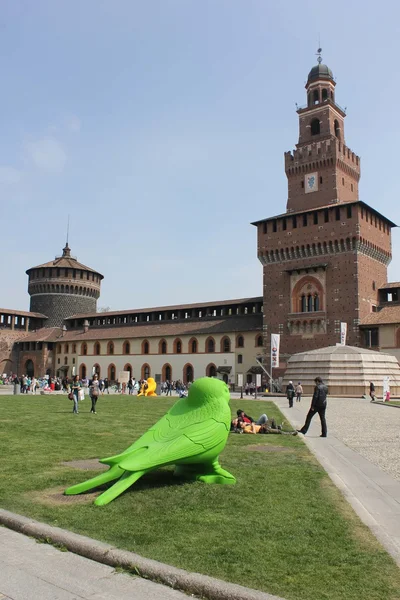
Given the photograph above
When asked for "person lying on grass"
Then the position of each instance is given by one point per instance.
(238, 426)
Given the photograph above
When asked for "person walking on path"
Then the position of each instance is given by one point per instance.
(299, 391)
(75, 388)
(94, 391)
(290, 393)
(372, 391)
(318, 405)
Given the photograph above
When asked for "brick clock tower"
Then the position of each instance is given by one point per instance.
(325, 258)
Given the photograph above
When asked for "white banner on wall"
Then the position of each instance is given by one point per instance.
(275, 341)
(343, 333)
(240, 379)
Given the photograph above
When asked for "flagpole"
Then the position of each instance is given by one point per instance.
(270, 382)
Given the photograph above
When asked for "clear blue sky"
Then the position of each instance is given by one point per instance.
(160, 126)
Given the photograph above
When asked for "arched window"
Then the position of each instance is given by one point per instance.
(193, 346)
(225, 344)
(66, 348)
(65, 360)
(84, 350)
(259, 341)
(110, 348)
(337, 128)
(188, 373)
(324, 95)
(128, 367)
(126, 349)
(177, 346)
(162, 347)
(145, 371)
(310, 303)
(211, 370)
(307, 295)
(111, 372)
(316, 97)
(240, 359)
(59, 349)
(73, 348)
(97, 349)
(145, 347)
(239, 341)
(210, 344)
(97, 369)
(82, 371)
(315, 127)
(167, 372)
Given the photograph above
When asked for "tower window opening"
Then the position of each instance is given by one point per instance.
(315, 127)
(294, 222)
(316, 218)
(337, 128)
(274, 227)
(320, 179)
(351, 187)
(284, 224)
(316, 97)
(326, 215)
(302, 184)
(324, 95)
(342, 180)
(349, 212)
(265, 227)
(337, 214)
(305, 220)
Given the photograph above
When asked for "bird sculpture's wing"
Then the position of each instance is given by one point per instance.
(165, 444)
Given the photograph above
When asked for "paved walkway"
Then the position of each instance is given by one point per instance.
(359, 434)
(32, 571)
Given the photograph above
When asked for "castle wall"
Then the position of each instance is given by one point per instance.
(58, 307)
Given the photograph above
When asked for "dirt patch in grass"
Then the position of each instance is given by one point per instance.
(268, 448)
(90, 464)
(56, 497)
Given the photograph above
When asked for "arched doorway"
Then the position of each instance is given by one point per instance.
(225, 378)
(128, 367)
(82, 371)
(29, 368)
(211, 370)
(188, 373)
(167, 372)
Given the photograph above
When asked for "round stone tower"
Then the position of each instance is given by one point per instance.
(62, 288)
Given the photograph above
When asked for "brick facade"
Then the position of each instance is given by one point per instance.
(326, 257)
(58, 307)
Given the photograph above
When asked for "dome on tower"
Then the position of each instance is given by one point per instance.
(320, 71)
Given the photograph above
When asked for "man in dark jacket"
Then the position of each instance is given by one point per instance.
(318, 405)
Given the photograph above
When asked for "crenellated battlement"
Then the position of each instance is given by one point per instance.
(329, 151)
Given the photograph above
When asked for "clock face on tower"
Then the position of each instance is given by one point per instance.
(311, 182)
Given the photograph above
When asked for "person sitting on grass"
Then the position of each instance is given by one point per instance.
(243, 418)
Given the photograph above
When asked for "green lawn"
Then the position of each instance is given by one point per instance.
(283, 528)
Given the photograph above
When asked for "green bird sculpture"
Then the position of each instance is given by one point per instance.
(191, 436)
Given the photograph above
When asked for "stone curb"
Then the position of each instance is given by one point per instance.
(386, 404)
(191, 583)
